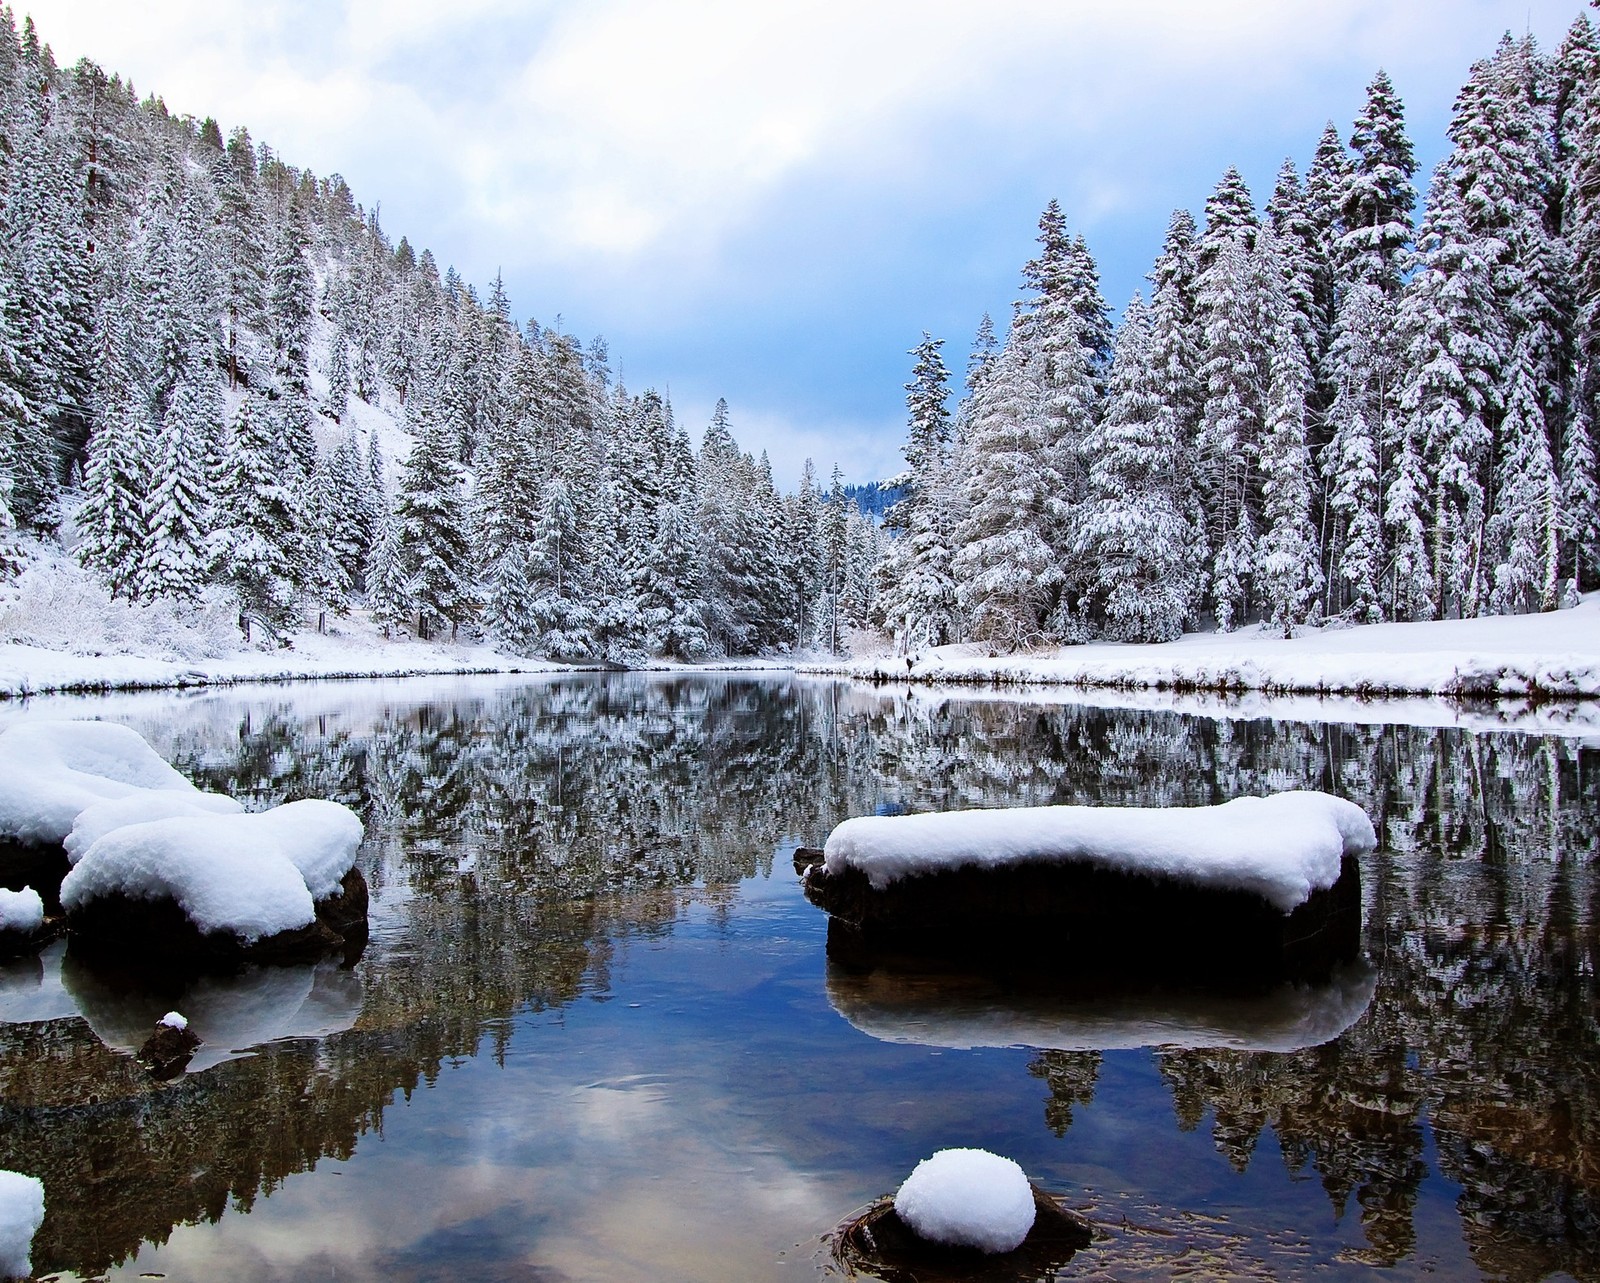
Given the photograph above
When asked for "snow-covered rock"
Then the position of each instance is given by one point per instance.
(1281, 848)
(21, 911)
(21, 1214)
(95, 821)
(968, 1198)
(245, 876)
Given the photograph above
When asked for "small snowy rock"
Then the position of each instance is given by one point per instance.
(21, 911)
(174, 1020)
(968, 1198)
(21, 1214)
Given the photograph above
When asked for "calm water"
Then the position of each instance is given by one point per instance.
(596, 1035)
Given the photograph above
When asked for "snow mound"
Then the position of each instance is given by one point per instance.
(21, 910)
(50, 772)
(21, 1214)
(1281, 848)
(250, 874)
(94, 822)
(968, 1198)
(174, 1020)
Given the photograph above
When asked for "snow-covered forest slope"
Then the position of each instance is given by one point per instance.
(232, 408)
(241, 429)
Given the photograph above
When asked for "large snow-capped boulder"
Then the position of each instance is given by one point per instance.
(280, 885)
(1255, 881)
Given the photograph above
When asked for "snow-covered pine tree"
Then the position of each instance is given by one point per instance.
(389, 596)
(1363, 376)
(1288, 562)
(337, 403)
(917, 597)
(435, 545)
(255, 544)
(1132, 533)
(563, 621)
(1452, 334)
(1006, 571)
(291, 302)
(177, 512)
(1378, 197)
(1233, 361)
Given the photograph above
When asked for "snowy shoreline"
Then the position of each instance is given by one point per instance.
(1534, 657)
(36, 670)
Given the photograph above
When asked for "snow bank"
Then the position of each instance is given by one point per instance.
(21, 1214)
(1281, 848)
(1549, 656)
(250, 874)
(50, 772)
(968, 1198)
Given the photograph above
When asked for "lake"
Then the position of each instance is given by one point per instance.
(596, 1034)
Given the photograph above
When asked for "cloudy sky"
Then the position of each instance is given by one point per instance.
(770, 201)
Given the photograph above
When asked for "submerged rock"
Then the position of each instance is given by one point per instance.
(877, 1241)
(167, 1051)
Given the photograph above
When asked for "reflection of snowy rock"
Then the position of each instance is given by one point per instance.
(21, 1214)
(966, 1010)
(30, 988)
(229, 1014)
(221, 888)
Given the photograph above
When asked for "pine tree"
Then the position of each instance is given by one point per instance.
(434, 544)
(918, 598)
(1378, 196)
(291, 308)
(255, 541)
(1132, 531)
(177, 518)
(1350, 461)
(1289, 563)
(1005, 569)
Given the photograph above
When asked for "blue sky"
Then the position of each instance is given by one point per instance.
(770, 201)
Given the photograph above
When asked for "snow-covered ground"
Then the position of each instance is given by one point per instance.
(1548, 656)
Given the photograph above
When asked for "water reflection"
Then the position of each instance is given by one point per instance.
(963, 1010)
(562, 853)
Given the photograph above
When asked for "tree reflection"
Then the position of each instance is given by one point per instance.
(518, 833)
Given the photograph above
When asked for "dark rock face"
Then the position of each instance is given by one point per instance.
(17, 944)
(40, 865)
(1087, 918)
(167, 1051)
(159, 933)
(877, 1242)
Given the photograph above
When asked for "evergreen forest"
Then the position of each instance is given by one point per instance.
(222, 381)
